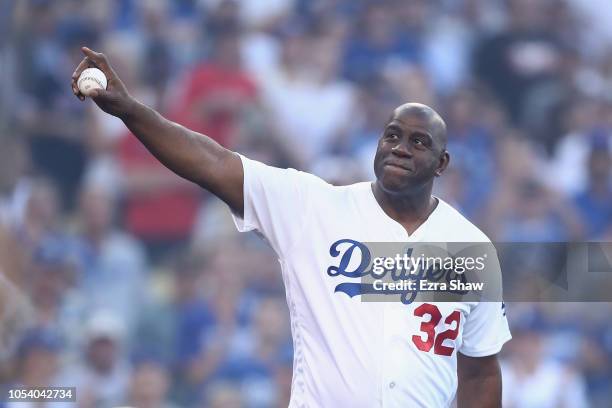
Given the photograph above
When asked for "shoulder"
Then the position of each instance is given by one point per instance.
(291, 177)
(456, 226)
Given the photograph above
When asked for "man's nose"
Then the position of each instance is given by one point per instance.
(402, 149)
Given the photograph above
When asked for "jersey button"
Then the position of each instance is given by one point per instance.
(392, 384)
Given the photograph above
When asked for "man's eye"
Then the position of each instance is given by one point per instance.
(419, 143)
(392, 136)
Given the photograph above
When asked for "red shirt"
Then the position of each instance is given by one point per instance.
(166, 214)
(209, 85)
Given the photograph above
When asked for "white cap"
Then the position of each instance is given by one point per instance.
(104, 324)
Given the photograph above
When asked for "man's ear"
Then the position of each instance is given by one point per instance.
(443, 163)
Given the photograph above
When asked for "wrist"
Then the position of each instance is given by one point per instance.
(129, 111)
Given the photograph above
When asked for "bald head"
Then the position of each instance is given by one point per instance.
(411, 151)
(436, 124)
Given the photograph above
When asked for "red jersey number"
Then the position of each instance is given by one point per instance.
(425, 343)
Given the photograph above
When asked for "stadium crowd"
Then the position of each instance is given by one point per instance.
(132, 285)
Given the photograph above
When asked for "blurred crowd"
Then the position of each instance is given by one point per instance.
(131, 284)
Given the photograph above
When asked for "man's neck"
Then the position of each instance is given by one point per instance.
(410, 210)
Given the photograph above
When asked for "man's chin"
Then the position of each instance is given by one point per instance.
(393, 185)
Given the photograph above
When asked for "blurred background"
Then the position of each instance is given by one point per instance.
(131, 284)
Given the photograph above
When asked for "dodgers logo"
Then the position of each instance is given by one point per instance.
(355, 247)
(354, 260)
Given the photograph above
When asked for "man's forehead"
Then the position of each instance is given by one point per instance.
(412, 121)
(415, 115)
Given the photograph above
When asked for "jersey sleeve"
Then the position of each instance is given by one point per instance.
(276, 203)
(485, 330)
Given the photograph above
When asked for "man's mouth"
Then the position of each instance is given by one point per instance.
(398, 166)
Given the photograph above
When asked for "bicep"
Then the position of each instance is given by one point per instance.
(470, 367)
(225, 179)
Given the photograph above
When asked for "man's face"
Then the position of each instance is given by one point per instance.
(410, 153)
(102, 354)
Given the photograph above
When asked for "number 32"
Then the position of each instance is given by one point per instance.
(429, 328)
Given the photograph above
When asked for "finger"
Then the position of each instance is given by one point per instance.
(84, 64)
(98, 93)
(89, 53)
(99, 60)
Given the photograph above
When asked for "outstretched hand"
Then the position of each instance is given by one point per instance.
(115, 99)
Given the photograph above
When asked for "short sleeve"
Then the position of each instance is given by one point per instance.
(276, 203)
(485, 330)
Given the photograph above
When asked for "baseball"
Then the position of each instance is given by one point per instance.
(90, 79)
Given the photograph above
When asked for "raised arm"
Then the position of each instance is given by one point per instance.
(189, 154)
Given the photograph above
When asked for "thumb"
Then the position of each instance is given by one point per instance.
(99, 93)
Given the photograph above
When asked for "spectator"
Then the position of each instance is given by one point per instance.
(38, 361)
(51, 280)
(158, 64)
(14, 184)
(102, 375)
(42, 214)
(37, 364)
(377, 43)
(304, 94)
(533, 380)
(537, 216)
(522, 56)
(257, 353)
(593, 203)
(15, 314)
(217, 91)
(595, 363)
(586, 125)
(149, 386)
(475, 148)
(51, 118)
(223, 395)
(110, 258)
(178, 329)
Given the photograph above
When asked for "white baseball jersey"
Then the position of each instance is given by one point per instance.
(349, 353)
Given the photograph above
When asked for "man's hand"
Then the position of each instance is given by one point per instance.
(480, 382)
(115, 100)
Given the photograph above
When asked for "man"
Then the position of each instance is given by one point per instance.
(101, 374)
(346, 352)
